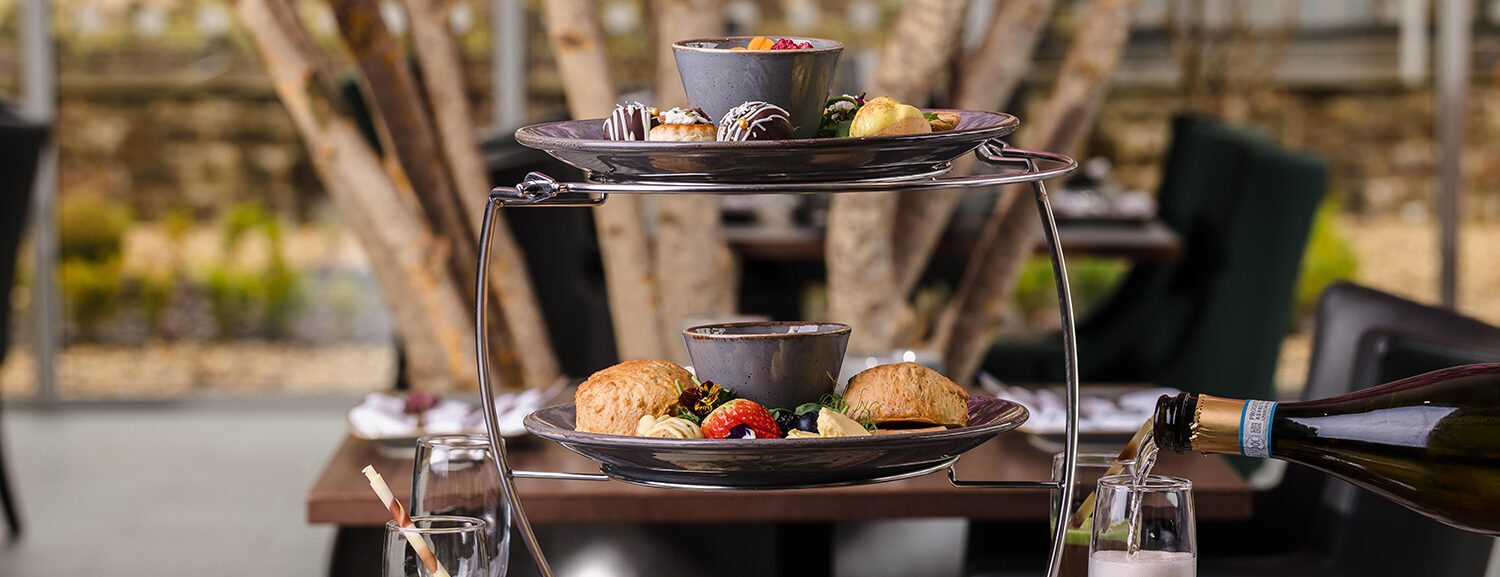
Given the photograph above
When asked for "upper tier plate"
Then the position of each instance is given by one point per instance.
(776, 463)
(581, 143)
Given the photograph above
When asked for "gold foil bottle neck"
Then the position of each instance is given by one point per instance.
(1216, 425)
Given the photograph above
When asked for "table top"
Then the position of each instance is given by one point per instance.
(342, 495)
(1140, 240)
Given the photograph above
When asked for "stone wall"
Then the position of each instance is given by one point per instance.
(168, 146)
(1379, 144)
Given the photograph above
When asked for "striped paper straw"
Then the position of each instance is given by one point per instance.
(418, 544)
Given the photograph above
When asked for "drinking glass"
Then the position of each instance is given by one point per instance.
(1144, 529)
(1091, 466)
(456, 475)
(457, 543)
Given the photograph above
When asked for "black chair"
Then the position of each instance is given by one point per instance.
(1212, 322)
(21, 145)
(1311, 524)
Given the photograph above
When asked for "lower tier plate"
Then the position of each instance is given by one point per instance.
(777, 463)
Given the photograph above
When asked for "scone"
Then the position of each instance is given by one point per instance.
(614, 400)
(907, 393)
(683, 125)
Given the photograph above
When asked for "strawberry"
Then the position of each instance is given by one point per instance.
(740, 412)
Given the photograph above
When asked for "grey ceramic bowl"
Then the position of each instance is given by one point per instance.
(776, 364)
(718, 79)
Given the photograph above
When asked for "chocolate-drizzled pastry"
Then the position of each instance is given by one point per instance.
(683, 125)
(755, 121)
(630, 122)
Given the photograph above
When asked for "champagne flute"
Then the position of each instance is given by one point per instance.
(456, 475)
(1144, 528)
(1091, 467)
(457, 544)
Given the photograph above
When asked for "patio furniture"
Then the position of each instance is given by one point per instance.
(1310, 524)
(1213, 321)
(21, 143)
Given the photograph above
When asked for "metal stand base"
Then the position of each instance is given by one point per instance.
(541, 190)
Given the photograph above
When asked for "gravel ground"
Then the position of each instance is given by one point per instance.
(170, 370)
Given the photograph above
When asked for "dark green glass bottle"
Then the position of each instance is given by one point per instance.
(1430, 442)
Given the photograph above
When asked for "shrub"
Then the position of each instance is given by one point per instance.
(91, 292)
(230, 295)
(1090, 280)
(91, 227)
(280, 295)
(1328, 258)
(245, 217)
(155, 294)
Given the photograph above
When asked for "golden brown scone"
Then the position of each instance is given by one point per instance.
(907, 393)
(614, 400)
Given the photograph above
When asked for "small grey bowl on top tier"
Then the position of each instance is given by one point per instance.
(776, 364)
(717, 78)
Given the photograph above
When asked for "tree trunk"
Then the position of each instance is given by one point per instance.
(863, 286)
(578, 45)
(988, 77)
(979, 306)
(694, 268)
(408, 132)
(510, 280)
(407, 260)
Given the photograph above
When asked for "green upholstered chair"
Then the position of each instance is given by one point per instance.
(1213, 321)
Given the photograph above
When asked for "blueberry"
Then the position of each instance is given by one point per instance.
(808, 421)
(786, 420)
(741, 432)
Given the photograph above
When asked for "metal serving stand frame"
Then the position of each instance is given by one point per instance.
(541, 190)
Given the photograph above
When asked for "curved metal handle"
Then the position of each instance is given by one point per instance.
(486, 392)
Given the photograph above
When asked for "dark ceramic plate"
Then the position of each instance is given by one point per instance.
(581, 143)
(776, 463)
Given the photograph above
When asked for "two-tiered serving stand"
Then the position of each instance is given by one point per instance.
(887, 164)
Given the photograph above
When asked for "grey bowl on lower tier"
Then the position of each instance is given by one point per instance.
(776, 364)
(717, 78)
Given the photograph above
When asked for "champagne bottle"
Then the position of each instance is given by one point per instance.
(1430, 442)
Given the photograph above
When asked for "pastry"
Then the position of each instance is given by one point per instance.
(906, 393)
(883, 116)
(630, 122)
(755, 120)
(614, 400)
(683, 125)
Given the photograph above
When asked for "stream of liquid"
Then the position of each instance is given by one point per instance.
(1145, 459)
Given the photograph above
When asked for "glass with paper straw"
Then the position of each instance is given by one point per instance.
(437, 542)
(456, 475)
(456, 543)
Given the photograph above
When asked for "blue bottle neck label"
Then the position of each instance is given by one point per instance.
(1255, 428)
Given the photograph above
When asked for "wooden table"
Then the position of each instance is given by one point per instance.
(342, 496)
(1148, 240)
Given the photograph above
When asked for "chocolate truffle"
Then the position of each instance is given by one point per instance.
(755, 121)
(630, 122)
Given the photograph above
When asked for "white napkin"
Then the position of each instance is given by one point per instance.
(1096, 413)
(383, 415)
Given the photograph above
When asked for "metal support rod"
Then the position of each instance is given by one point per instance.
(487, 395)
(1070, 361)
(508, 63)
(559, 476)
(956, 482)
(1454, 24)
(39, 100)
